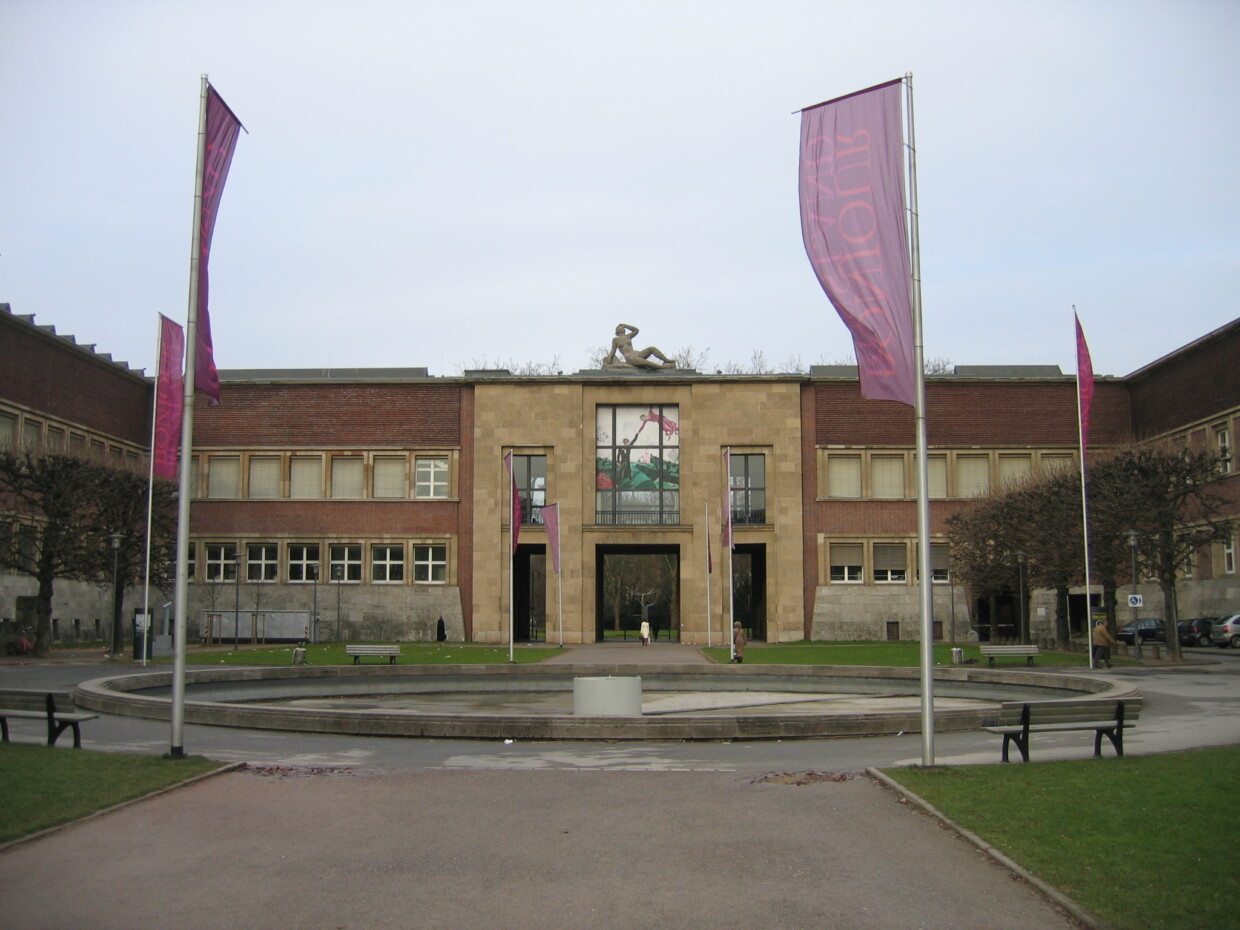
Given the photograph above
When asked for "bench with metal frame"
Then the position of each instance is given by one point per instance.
(360, 650)
(27, 708)
(993, 652)
(1017, 720)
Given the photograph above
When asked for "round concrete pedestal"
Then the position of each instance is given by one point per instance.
(607, 697)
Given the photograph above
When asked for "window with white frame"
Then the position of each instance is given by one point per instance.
(221, 563)
(303, 563)
(887, 476)
(264, 476)
(1229, 556)
(389, 476)
(972, 475)
(348, 476)
(890, 563)
(345, 562)
(846, 562)
(262, 562)
(305, 473)
(223, 476)
(430, 563)
(387, 563)
(940, 562)
(1222, 444)
(844, 476)
(430, 478)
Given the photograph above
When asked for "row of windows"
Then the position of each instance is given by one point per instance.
(888, 562)
(22, 431)
(876, 475)
(304, 563)
(381, 475)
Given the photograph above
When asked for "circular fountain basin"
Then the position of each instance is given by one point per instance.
(677, 702)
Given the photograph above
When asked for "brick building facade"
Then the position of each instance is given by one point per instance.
(373, 504)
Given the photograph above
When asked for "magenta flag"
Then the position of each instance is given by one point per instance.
(855, 233)
(515, 515)
(222, 130)
(726, 535)
(1084, 383)
(551, 520)
(169, 398)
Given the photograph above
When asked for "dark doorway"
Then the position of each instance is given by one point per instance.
(529, 594)
(636, 582)
(1079, 608)
(749, 589)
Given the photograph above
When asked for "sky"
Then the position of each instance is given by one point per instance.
(476, 184)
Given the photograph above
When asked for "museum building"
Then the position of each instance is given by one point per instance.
(372, 504)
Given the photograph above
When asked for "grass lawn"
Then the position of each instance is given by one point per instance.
(43, 786)
(334, 654)
(884, 653)
(1144, 842)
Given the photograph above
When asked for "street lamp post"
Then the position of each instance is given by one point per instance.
(115, 540)
(1020, 575)
(1136, 640)
(237, 603)
(314, 611)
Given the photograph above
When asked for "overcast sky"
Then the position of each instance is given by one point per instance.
(455, 184)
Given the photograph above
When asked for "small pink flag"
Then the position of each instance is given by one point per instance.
(551, 520)
(515, 516)
(727, 499)
(169, 398)
(1084, 383)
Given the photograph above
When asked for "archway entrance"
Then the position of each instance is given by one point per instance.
(632, 582)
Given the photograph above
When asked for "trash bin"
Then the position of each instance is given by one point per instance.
(141, 641)
(957, 656)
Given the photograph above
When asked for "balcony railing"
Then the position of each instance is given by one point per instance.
(637, 518)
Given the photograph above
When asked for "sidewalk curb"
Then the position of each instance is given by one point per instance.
(222, 770)
(1056, 896)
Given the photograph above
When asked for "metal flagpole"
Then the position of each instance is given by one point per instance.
(559, 582)
(150, 490)
(727, 516)
(512, 564)
(177, 748)
(1080, 435)
(709, 618)
(925, 581)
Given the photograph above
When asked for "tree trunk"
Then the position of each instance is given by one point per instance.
(1063, 626)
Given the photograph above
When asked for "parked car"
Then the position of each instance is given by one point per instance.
(1226, 632)
(1196, 632)
(1142, 631)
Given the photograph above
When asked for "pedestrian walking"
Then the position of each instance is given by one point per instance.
(738, 642)
(1102, 643)
(645, 632)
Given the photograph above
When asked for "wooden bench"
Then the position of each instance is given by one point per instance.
(27, 707)
(358, 651)
(1110, 718)
(991, 652)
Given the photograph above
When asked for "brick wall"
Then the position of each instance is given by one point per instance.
(1200, 381)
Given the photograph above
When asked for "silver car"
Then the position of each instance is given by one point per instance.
(1226, 632)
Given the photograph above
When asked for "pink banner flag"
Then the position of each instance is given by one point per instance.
(222, 130)
(727, 499)
(551, 520)
(1084, 383)
(515, 515)
(169, 398)
(853, 225)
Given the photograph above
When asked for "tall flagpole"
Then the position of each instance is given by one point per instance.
(559, 582)
(709, 618)
(1081, 440)
(925, 581)
(177, 748)
(727, 521)
(150, 490)
(512, 562)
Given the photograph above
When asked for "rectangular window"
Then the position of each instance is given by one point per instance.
(262, 562)
(223, 476)
(387, 564)
(890, 563)
(346, 562)
(32, 434)
(221, 562)
(887, 476)
(530, 474)
(303, 563)
(430, 477)
(1229, 556)
(940, 562)
(389, 476)
(972, 475)
(1015, 469)
(305, 473)
(264, 476)
(1222, 444)
(637, 465)
(430, 564)
(747, 488)
(348, 476)
(1055, 462)
(55, 439)
(844, 476)
(937, 470)
(192, 568)
(846, 562)
(8, 431)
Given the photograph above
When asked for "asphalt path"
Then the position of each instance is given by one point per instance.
(346, 832)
